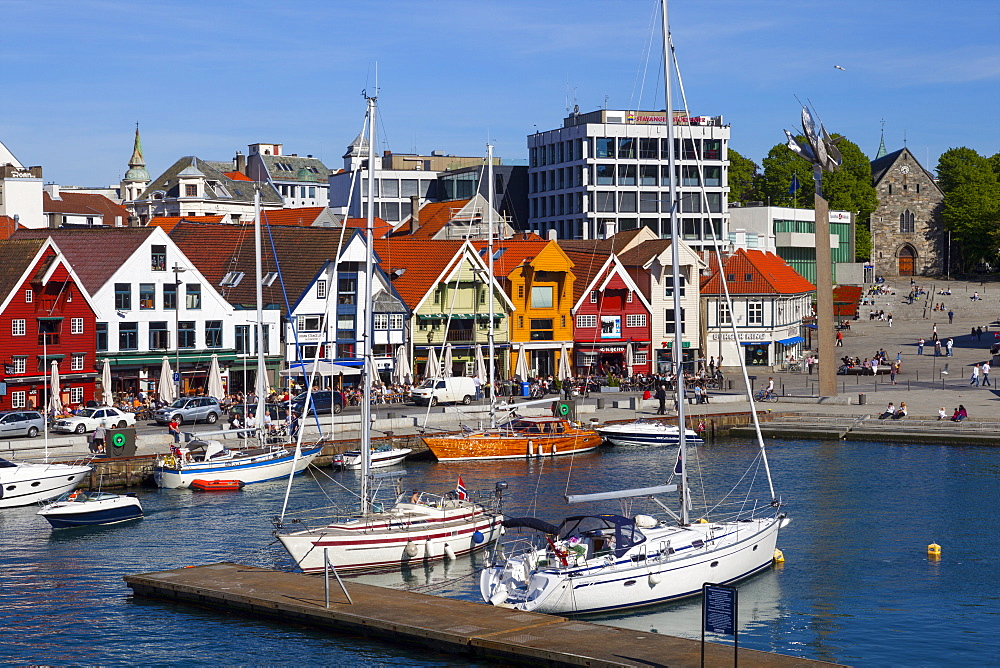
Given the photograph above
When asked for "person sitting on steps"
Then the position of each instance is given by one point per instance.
(890, 410)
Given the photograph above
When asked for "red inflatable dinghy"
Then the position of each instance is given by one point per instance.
(218, 485)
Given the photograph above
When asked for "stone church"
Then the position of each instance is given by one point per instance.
(908, 238)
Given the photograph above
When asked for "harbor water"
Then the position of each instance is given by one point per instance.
(857, 586)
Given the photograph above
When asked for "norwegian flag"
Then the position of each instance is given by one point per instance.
(460, 490)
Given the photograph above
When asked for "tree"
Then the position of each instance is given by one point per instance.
(862, 241)
(743, 176)
(851, 189)
(776, 179)
(971, 209)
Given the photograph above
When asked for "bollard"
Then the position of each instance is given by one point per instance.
(907, 384)
(862, 399)
(600, 404)
(876, 388)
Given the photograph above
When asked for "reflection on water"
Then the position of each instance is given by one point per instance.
(856, 586)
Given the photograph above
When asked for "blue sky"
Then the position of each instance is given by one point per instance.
(207, 78)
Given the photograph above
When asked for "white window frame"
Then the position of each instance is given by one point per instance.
(723, 314)
(76, 326)
(586, 321)
(381, 321)
(395, 321)
(639, 357)
(19, 399)
(593, 296)
(755, 313)
(668, 286)
(628, 298)
(29, 296)
(18, 327)
(320, 289)
(635, 320)
(76, 362)
(76, 395)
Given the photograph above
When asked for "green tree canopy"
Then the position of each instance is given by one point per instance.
(971, 209)
(743, 175)
(776, 179)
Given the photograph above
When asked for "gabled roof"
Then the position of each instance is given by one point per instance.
(597, 278)
(769, 275)
(433, 217)
(16, 256)
(167, 223)
(301, 217)
(95, 253)
(85, 204)
(510, 254)
(424, 262)
(380, 227)
(236, 191)
(218, 249)
(881, 166)
(616, 244)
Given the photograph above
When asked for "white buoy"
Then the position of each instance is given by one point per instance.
(411, 549)
(654, 579)
(428, 552)
(448, 552)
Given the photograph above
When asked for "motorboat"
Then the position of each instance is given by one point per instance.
(25, 483)
(211, 460)
(519, 437)
(418, 527)
(381, 456)
(645, 432)
(82, 509)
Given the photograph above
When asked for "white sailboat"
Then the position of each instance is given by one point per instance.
(419, 526)
(211, 460)
(603, 562)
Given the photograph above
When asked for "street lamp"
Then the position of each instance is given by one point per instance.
(178, 270)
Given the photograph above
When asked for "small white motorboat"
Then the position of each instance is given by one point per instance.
(645, 432)
(211, 460)
(22, 484)
(83, 509)
(382, 456)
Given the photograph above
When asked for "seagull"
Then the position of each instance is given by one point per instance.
(840, 68)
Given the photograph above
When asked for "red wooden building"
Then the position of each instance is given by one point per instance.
(44, 315)
(611, 318)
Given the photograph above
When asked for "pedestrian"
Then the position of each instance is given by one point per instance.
(937, 348)
(661, 396)
(985, 372)
(840, 339)
(889, 318)
(174, 429)
(711, 365)
(697, 394)
(949, 344)
(979, 333)
(920, 346)
(951, 316)
(934, 335)
(973, 334)
(974, 379)
(809, 363)
(892, 374)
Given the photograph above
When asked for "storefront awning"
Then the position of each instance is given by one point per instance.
(791, 341)
(755, 343)
(811, 326)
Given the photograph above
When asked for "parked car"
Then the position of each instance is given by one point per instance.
(21, 423)
(456, 389)
(323, 401)
(89, 418)
(190, 409)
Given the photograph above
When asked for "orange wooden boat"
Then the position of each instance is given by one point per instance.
(521, 437)
(218, 485)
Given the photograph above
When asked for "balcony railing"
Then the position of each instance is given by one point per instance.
(461, 335)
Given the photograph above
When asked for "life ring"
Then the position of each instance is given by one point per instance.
(170, 462)
(563, 409)
(72, 497)
(118, 440)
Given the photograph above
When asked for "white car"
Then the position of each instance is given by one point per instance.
(89, 418)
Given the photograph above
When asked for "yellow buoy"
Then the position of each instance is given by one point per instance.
(702, 521)
(779, 556)
(934, 550)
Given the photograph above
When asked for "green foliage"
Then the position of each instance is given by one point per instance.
(776, 178)
(971, 209)
(851, 189)
(743, 176)
(862, 241)
(995, 164)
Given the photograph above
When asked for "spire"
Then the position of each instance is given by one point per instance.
(881, 143)
(137, 165)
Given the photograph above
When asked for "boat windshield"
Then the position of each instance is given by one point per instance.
(606, 532)
(4, 464)
(534, 427)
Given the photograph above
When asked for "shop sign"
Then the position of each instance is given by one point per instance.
(744, 336)
(613, 349)
(611, 327)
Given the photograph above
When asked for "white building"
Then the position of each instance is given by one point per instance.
(301, 181)
(606, 171)
(20, 190)
(146, 310)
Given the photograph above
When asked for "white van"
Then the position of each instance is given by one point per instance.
(433, 391)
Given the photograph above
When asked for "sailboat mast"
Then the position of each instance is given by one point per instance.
(677, 357)
(261, 367)
(368, 366)
(490, 372)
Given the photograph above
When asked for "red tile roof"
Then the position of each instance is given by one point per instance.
(238, 176)
(514, 253)
(168, 223)
(423, 259)
(7, 227)
(381, 228)
(769, 275)
(15, 258)
(86, 204)
(433, 216)
(301, 217)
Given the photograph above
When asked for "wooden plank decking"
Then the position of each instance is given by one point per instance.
(445, 625)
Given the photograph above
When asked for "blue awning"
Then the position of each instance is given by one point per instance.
(791, 341)
(811, 326)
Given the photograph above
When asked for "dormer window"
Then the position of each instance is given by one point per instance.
(231, 279)
(269, 278)
(748, 277)
(191, 190)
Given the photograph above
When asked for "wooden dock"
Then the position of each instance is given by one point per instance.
(464, 628)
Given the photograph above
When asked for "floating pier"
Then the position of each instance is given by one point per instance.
(472, 630)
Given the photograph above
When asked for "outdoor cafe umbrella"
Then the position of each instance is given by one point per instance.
(165, 386)
(628, 357)
(564, 371)
(107, 396)
(401, 367)
(431, 369)
(521, 369)
(446, 361)
(55, 403)
(480, 364)
(214, 388)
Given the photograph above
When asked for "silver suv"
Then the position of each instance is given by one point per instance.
(21, 423)
(192, 409)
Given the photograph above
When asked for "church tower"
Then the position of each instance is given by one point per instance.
(136, 178)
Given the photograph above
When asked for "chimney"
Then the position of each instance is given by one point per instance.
(610, 227)
(53, 190)
(414, 213)
(241, 163)
(553, 235)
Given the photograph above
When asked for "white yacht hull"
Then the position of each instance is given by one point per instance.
(256, 468)
(382, 540)
(351, 459)
(25, 484)
(646, 575)
(635, 434)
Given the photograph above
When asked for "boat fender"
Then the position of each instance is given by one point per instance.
(934, 551)
(411, 549)
(531, 448)
(702, 521)
(554, 450)
(448, 552)
(478, 537)
(428, 550)
(779, 556)
(654, 579)
(499, 594)
(645, 521)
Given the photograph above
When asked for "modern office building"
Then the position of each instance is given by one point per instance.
(606, 171)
